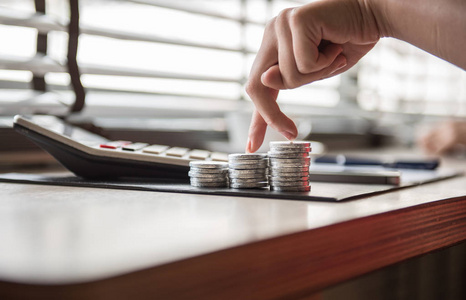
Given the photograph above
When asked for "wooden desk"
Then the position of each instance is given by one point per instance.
(85, 243)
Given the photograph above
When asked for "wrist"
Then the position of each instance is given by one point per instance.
(378, 11)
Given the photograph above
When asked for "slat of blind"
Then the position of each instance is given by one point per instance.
(100, 70)
(59, 92)
(190, 9)
(42, 64)
(202, 11)
(45, 24)
(155, 39)
(39, 64)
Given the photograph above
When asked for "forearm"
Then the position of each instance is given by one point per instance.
(436, 26)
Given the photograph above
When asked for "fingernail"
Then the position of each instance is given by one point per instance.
(340, 66)
(248, 146)
(262, 78)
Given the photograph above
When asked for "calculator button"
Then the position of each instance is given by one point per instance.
(106, 146)
(177, 151)
(121, 143)
(155, 149)
(114, 144)
(134, 146)
(199, 154)
(219, 156)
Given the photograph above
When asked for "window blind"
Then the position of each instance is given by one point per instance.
(200, 49)
(396, 77)
(138, 57)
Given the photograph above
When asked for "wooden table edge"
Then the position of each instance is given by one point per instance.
(290, 266)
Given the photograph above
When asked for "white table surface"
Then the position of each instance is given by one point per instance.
(54, 234)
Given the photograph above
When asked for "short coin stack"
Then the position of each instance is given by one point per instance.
(208, 173)
(248, 171)
(289, 166)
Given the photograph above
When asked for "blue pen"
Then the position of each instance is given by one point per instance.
(421, 164)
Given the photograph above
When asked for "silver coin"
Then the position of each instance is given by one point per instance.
(248, 161)
(290, 149)
(207, 179)
(303, 160)
(291, 188)
(202, 164)
(246, 180)
(206, 175)
(288, 144)
(283, 169)
(279, 173)
(295, 152)
(241, 166)
(290, 165)
(289, 183)
(250, 176)
(249, 185)
(287, 154)
(290, 178)
(195, 171)
(208, 171)
(246, 156)
(234, 172)
(209, 184)
(275, 161)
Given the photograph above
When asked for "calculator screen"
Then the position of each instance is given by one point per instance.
(75, 133)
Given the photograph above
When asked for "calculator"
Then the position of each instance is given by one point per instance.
(90, 155)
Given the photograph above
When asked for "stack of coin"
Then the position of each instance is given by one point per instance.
(208, 173)
(248, 171)
(289, 166)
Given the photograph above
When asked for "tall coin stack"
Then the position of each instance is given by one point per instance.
(248, 171)
(208, 173)
(289, 166)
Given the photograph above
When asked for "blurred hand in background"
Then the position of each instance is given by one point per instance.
(444, 137)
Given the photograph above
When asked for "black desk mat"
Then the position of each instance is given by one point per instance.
(320, 191)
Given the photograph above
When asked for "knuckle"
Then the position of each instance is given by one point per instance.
(282, 17)
(270, 25)
(304, 67)
(287, 85)
(287, 12)
(291, 81)
(272, 120)
(250, 88)
(295, 84)
(296, 18)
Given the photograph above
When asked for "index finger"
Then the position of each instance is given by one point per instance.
(264, 98)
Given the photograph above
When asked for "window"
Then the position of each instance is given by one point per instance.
(167, 54)
(180, 57)
(397, 77)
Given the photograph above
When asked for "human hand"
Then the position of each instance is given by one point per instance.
(301, 45)
(444, 137)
